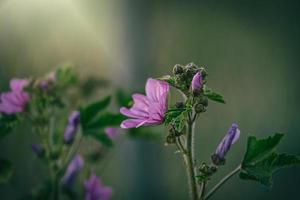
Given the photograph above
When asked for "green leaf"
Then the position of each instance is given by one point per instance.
(99, 136)
(6, 170)
(105, 120)
(7, 123)
(123, 99)
(88, 113)
(261, 160)
(258, 149)
(177, 118)
(213, 96)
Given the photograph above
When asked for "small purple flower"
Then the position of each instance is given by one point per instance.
(112, 132)
(230, 138)
(72, 127)
(38, 149)
(150, 109)
(197, 82)
(72, 171)
(15, 100)
(95, 190)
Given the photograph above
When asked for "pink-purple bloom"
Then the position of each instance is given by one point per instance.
(72, 127)
(229, 139)
(148, 109)
(197, 82)
(95, 190)
(15, 100)
(72, 171)
(112, 132)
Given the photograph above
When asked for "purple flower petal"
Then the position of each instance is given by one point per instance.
(95, 190)
(72, 127)
(72, 171)
(197, 82)
(18, 84)
(148, 110)
(16, 100)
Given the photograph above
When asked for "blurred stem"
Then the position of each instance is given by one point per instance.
(224, 180)
(202, 190)
(190, 160)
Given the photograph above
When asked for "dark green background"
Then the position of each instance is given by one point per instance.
(250, 50)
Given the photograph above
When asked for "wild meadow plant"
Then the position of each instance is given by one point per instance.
(261, 158)
(62, 123)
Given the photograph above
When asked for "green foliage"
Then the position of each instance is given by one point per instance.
(88, 113)
(261, 159)
(7, 123)
(123, 99)
(94, 122)
(100, 136)
(143, 133)
(213, 95)
(105, 120)
(177, 117)
(6, 170)
(65, 76)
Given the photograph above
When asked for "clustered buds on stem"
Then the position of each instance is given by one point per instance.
(72, 127)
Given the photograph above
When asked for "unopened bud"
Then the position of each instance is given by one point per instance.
(203, 100)
(178, 69)
(171, 139)
(199, 108)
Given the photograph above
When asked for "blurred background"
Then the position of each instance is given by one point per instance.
(250, 50)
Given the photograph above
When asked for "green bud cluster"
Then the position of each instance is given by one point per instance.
(183, 75)
(205, 172)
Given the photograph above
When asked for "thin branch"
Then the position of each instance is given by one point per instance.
(224, 180)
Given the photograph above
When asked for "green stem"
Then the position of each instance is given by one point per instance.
(224, 180)
(190, 161)
(202, 190)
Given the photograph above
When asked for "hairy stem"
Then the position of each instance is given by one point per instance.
(224, 180)
(190, 161)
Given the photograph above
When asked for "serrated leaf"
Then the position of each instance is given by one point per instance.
(6, 170)
(258, 149)
(89, 112)
(261, 160)
(214, 96)
(105, 120)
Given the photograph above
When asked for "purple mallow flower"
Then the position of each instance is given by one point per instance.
(95, 190)
(112, 132)
(197, 82)
(72, 127)
(15, 100)
(72, 171)
(150, 109)
(233, 134)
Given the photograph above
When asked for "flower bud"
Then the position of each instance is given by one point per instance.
(203, 100)
(203, 73)
(197, 82)
(233, 134)
(72, 127)
(171, 139)
(178, 69)
(72, 171)
(199, 108)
